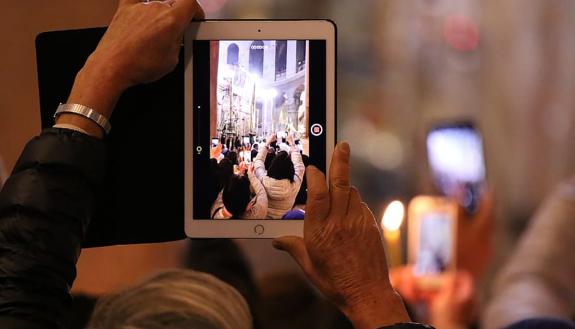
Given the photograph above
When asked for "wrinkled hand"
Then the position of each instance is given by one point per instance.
(342, 251)
(143, 41)
(215, 152)
(141, 45)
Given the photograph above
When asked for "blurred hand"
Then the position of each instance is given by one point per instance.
(215, 152)
(271, 139)
(251, 168)
(289, 139)
(452, 305)
(242, 168)
(342, 251)
(474, 233)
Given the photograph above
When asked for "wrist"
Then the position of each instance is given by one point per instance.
(97, 86)
(376, 310)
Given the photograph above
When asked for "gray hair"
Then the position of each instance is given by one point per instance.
(175, 299)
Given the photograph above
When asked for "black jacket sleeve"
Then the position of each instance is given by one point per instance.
(45, 208)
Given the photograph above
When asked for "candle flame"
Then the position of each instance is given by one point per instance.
(393, 216)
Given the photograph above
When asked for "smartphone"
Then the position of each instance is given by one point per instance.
(457, 163)
(432, 232)
(246, 140)
(280, 135)
(247, 156)
(215, 142)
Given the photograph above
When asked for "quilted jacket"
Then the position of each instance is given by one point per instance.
(45, 208)
(281, 193)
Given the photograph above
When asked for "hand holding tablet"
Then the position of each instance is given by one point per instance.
(342, 252)
(245, 81)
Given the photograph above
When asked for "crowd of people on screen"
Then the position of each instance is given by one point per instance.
(260, 181)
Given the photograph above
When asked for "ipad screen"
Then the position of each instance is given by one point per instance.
(265, 101)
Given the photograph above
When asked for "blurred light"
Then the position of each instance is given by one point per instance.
(228, 72)
(393, 216)
(461, 32)
(381, 149)
(270, 93)
(384, 151)
(211, 6)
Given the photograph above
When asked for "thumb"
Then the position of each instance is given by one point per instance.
(295, 246)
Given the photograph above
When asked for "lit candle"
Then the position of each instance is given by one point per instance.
(391, 224)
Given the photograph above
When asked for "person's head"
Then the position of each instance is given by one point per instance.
(225, 171)
(281, 167)
(269, 158)
(233, 156)
(255, 146)
(175, 299)
(237, 195)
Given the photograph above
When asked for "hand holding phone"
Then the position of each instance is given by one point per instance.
(432, 238)
(216, 151)
(455, 156)
(271, 139)
(290, 140)
(247, 156)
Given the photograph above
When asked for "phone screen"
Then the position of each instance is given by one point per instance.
(431, 240)
(435, 244)
(455, 155)
(247, 156)
(240, 97)
(215, 142)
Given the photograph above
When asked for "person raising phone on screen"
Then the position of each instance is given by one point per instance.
(282, 179)
(236, 200)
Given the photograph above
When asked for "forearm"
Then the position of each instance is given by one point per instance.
(96, 86)
(259, 164)
(45, 208)
(380, 310)
(538, 277)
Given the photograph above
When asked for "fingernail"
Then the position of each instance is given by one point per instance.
(278, 245)
(344, 147)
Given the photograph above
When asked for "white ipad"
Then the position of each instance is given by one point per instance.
(256, 79)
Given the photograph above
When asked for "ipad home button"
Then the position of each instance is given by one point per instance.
(259, 229)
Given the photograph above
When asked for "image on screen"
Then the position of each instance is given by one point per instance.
(456, 157)
(259, 110)
(435, 244)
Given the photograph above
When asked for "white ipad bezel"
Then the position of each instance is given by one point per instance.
(252, 30)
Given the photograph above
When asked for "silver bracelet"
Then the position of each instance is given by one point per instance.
(86, 112)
